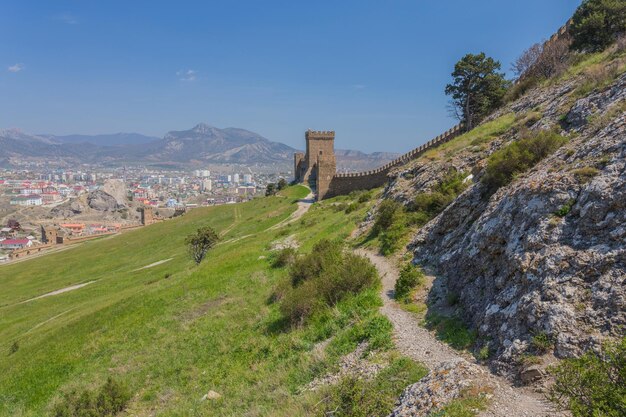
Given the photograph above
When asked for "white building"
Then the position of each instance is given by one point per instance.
(26, 200)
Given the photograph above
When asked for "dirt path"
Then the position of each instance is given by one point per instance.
(303, 206)
(56, 292)
(153, 264)
(419, 344)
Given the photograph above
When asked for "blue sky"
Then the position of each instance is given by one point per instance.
(373, 71)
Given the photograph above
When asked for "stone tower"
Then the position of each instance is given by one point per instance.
(318, 165)
(147, 216)
(49, 234)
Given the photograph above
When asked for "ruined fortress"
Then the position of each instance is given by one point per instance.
(318, 166)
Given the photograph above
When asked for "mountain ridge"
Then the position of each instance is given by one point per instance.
(201, 144)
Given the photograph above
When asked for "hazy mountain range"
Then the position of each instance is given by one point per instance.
(199, 146)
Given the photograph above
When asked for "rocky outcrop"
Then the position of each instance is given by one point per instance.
(519, 269)
(102, 201)
(438, 388)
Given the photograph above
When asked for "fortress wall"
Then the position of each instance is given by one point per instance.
(346, 183)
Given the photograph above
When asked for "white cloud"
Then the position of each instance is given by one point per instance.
(188, 75)
(15, 68)
(66, 18)
(358, 86)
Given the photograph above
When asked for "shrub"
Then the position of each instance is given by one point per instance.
(357, 397)
(596, 24)
(365, 197)
(484, 353)
(109, 400)
(410, 277)
(323, 278)
(198, 244)
(519, 156)
(451, 330)
(15, 346)
(432, 203)
(564, 209)
(470, 401)
(594, 384)
(387, 214)
(351, 207)
(540, 62)
(541, 342)
(284, 257)
(391, 239)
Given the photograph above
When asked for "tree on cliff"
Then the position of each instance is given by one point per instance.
(597, 24)
(200, 242)
(478, 88)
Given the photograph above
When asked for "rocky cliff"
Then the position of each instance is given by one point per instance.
(544, 255)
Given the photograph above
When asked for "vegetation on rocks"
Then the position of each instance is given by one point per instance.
(410, 277)
(597, 24)
(427, 205)
(505, 164)
(390, 226)
(358, 397)
(593, 384)
(451, 330)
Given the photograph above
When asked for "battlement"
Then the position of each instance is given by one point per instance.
(320, 134)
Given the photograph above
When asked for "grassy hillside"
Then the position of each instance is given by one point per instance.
(174, 331)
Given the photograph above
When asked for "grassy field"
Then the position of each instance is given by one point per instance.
(174, 331)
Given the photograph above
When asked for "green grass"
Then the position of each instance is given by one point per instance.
(451, 330)
(175, 331)
(477, 137)
(357, 397)
(468, 404)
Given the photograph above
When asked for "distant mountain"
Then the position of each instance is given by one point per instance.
(202, 145)
(16, 143)
(114, 139)
(220, 146)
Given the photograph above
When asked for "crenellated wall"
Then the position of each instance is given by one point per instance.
(344, 183)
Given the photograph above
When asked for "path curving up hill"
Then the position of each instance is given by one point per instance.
(419, 344)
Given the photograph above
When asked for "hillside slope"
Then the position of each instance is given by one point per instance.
(544, 256)
(184, 339)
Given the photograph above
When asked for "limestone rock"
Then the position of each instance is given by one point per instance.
(438, 388)
(519, 269)
(102, 201)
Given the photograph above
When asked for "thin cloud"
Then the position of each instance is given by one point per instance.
(188, 75)
(15, 68)
(66, 18)
(358, 86)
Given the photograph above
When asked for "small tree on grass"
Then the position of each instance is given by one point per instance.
(282, 184)
(271, 189)
(200, 242)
